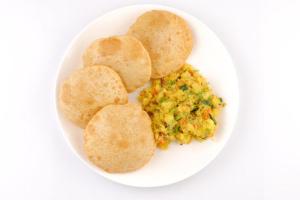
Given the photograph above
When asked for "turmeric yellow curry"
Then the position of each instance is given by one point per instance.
(182, 107)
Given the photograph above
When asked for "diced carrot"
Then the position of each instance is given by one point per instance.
(205, 114)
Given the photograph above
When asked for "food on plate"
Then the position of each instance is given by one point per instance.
(119, 138)
(179, 105)
(87, 90)
(167, 37)
(124, 54)
(182, 107)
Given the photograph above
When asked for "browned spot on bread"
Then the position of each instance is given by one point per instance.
(123, 144)
(107, 169)
(155, 55)
(88, 101)
(161, 23)
(109, 46)
(117, 100)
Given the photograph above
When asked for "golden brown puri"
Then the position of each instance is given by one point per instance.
(167, 37)
(124, 54)
(87, 90)
(119, 138)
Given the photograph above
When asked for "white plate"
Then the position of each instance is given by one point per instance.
(209, 56)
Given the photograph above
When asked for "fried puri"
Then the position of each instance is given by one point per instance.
(167, 38)
(87, 90)
(119, 138)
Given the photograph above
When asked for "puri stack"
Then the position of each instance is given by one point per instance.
(117, 134)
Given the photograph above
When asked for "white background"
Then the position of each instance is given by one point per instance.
(260, 161)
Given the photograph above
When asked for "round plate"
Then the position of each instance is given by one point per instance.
(212, 60)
